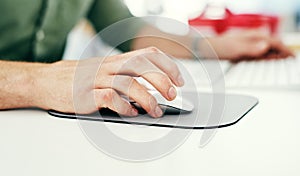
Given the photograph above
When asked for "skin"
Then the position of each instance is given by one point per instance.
(51, 86)
(248, 45)
(243, 45)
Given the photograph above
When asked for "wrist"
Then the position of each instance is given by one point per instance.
(52, 83)
(208, 48)
(36, 75)
(196, 48)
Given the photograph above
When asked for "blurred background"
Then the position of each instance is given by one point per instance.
(207, 16)
(288, 11)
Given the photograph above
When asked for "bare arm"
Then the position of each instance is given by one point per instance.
(176, 45)
(248, 44)
(96, 82)
(17, 88)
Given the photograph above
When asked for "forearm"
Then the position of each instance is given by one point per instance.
(180, 46)
(229, 46)
(17, 88)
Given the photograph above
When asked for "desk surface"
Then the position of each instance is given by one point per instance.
(265, 142)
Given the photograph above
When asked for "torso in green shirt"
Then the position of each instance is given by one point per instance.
(36, 30)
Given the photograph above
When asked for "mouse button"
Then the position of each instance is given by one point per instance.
(159, 98)
(187, 105)
(177, 102)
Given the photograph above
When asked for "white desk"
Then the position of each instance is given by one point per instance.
(265, 142)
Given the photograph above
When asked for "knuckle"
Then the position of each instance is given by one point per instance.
(107, 95)
(138, 60)
(153, 49)
(128, 82)
(116, 57)
(164, 79)
(123, 81)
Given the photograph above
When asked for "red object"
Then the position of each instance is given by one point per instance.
(230, 20)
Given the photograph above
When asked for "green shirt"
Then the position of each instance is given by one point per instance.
(36, 30)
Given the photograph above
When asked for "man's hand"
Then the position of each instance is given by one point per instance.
(245, 45)
(98, 83)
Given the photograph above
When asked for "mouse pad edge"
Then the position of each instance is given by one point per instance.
(120, 120)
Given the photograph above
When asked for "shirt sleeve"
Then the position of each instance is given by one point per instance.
(107, 12)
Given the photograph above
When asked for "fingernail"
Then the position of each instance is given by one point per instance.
(180, 80)
(134, 112)
(158, 112)
(261, 45)
(172, 93)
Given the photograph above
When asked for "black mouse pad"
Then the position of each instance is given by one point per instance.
(211, 111)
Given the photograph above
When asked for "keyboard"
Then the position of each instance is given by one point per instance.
(280, 73)
(202, 73)
(264, 74)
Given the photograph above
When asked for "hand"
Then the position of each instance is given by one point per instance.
(247, 45)
(99, 82)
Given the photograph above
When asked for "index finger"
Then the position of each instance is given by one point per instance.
(167, 65)
(160, 60)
